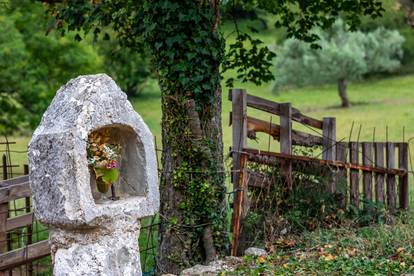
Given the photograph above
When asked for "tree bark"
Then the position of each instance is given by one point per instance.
(343, 94)
(192, 177)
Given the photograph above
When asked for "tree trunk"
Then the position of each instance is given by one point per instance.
(342, 93)
(193, 211)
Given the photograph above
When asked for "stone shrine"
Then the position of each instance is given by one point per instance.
(93, 232)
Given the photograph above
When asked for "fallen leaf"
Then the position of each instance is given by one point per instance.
(261, 259)
(328, 257)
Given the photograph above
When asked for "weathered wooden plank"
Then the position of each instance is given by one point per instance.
(403, 180)
(257, 180)
(24, 255)
(286, 142)
(329, 138)
(341, 176)
(239, 129)
(367, 160)
(391, 189)
(14, 192)
(338, 164)
(379, 177)
(274, 108)
(4, 213)
(4, 209)
(13, 181)
(238, 204)
(329, 144)
(354, 174)
(298, 137)
(20, 221)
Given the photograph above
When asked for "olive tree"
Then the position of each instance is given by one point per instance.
(341, 55)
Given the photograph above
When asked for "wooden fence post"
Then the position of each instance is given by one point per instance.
(4, 210)
(379, 177)
(354, 174)
(286, 142)
(341, 176)
(403, 180)
(367, 176)
(238, 205)
(29, 227)
(239, 129)
(329, 144)
(391, 193)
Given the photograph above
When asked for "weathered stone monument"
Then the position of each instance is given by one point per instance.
(93, 231)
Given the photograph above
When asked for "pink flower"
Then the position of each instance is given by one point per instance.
(112, 164)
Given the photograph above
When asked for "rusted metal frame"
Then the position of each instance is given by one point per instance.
(331, 163)
(238, 204)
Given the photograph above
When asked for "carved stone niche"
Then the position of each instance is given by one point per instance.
(131, 164)
(89, 233)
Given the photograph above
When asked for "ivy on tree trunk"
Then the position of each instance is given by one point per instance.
(188, 53)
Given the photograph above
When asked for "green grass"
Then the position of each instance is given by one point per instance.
(380, 250)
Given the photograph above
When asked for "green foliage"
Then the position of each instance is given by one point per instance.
(343, 55)
(33, 66)
(250, 59)
(13, 55)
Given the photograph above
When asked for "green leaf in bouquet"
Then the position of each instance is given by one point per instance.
(110, 175)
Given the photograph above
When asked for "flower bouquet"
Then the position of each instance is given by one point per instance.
(103, 158)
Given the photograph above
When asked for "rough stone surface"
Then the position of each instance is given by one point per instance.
(110, 250)
(91, 237)
(214, 268)
(254, 251)
(59, 173)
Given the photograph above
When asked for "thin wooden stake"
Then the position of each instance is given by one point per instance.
(238, 204)
(379, 177)
(286, 142)
(367, 176)
(239, 129)
(391, 193)
(354, 175)
(403, 180)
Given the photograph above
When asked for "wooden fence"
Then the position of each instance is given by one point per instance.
(377, 161)
(13, 190)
